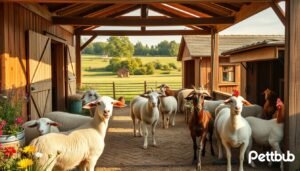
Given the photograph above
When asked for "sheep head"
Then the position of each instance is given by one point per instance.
(43, 125)
(89, 96)
(153, 98)
(236, 104)
(104, 107)
(198, 97)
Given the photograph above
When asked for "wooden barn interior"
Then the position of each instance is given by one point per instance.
(40, 44)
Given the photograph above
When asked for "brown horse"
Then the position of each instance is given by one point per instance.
(270, 104)
(200, 124)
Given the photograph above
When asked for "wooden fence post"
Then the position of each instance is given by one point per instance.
(145, 86)
(114, 90)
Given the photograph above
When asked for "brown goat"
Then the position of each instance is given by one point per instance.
(270, 104)
(168, 91)
(200, 124)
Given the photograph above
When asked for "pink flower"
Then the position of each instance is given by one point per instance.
(19, 120)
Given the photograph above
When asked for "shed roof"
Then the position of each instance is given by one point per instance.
(199, 46)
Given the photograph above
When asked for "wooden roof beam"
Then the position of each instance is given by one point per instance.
(136, 1)
(142, 33)
(228, 6)
(88, 42)
(141, 22)
(106, 11)
(202, 10)
(279, 12)
(76, 10)
(144, 14)
(190, 10)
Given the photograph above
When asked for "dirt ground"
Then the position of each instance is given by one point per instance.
(123, 152)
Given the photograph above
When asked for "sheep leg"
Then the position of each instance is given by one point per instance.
(168, 121)
(276, 147)
(153, 134)
(173, 118)
(228, 154)
(163, 120)
(195, 149)
(145, 133)
(92, 163)
(247, 152)
(242, 155)
(219, 144)
(201, 147)
(140, 128)
(211, 131)
(134, 129)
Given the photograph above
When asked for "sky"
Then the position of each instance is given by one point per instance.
(263, 23)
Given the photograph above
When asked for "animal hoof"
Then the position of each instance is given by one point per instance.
(145, 147)
(198, 168)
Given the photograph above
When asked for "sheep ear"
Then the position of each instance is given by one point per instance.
(32, 124)
(246, 103)
(227, 101)
(91, 105)
(119, 104)
(55, 124)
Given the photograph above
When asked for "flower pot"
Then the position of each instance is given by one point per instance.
(12, 140)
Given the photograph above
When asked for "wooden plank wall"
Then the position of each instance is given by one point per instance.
(17, 20)
(292, 83)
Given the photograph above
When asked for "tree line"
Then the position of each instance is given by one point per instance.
(120, 46)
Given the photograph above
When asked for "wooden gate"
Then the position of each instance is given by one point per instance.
(71, 70)
(39, 74)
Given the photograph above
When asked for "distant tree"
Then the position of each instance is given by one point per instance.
(139, 49)
(119, 46)
(172, 65)
(100, 48)
(89, 49)
(163, 48)
(174, 48)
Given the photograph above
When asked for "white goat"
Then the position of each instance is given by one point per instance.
(167, 107)
(181, 98)
(41, 126)
(268, 132)
(83, 146)
(145, 109)
(232, 130)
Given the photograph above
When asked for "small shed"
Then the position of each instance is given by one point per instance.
(195, 54)
(123, 72)
(263, 66)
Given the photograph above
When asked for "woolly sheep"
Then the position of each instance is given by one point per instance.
(82, 147)
(145, 109)
(68, 121)
(41, 126)
(232, 130)
(167, 107)
(89, 96)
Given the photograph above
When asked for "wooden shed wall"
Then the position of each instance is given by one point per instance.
(17, 20)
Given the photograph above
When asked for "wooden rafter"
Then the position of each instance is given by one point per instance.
(135, 1)
(279, 12)
(142, 33)
(136, 21)
(56, 7)
(229, 7)
(216, 9)
(88, 42)
(106, 11)
(75, 10)
(66, 8)
(144, 14)
(189, 10)
(202, 9)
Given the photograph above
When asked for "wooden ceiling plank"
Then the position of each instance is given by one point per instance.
(202, 9)
(55, 7)
(279, 12)
(217, 9)
(141, 22)
(76, 10)
(229, 7)
(190, 10)
(66, 8)
(142, 33)
(136, 1)
(107, 11)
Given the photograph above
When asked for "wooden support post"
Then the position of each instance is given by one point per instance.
(214, 60)
(292, 83)
(78, 61)
(279, 12)
(145, 86)
(144, 14)
(114, 90)
(88, 42)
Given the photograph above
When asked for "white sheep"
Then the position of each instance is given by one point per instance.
(41, 126)
(89, 96)
(181, 98)
(268, 132)
(232, 130)
(68, 121)
(167, 107)
(211, 105)
(145, 109)
(82, 146)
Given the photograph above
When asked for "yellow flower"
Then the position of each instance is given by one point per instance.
(29, 149)
(25, 163)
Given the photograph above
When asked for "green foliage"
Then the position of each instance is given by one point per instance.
(150, 68)
(119, 46)
(100, 48)
(172, 65)
(166, 68)
(89, 49)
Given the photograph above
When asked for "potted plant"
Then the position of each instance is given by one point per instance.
(11, 131)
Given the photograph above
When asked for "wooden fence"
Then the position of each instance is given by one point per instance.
(128, 90)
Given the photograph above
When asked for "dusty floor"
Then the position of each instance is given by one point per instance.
(174, 152)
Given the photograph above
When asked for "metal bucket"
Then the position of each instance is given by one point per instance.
(12, 140)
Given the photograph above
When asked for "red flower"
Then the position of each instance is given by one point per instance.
(2, 124)
(235, 93)
(9, 151)
(19, 120)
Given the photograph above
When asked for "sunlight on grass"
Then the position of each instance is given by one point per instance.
(121, 118)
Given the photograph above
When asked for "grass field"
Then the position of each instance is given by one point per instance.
(94, 76)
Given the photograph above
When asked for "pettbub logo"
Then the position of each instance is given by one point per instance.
(271, 156)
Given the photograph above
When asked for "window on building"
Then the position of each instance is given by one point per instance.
(228, 73)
